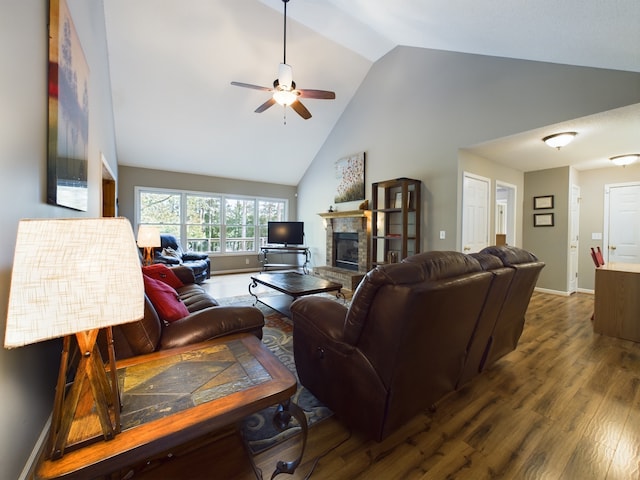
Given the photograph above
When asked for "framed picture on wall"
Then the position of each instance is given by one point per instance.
(542, 203)
(543, 219)
(68, 132)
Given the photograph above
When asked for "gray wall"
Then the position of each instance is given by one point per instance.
(416, 108)
(28, 374)
(550, 244)
(131, 177)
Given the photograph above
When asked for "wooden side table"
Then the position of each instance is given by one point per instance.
(174, 396)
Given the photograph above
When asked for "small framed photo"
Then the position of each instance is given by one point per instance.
(542, 203)
(398, 200)
(543, 219)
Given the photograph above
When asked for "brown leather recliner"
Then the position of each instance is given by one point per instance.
(399, 347)
(510, 321)
(414, 332)
(206, 320)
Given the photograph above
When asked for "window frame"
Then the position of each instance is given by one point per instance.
(183, 225)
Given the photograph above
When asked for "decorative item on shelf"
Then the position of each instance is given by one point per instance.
(392, 256)
(624, 160)
(62, 285)
(148, 239)
(398, 200)
(330, 209)
(559, 140)
(364, 205)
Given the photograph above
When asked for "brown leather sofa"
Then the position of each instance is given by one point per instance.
(406, 339)
(206, 320)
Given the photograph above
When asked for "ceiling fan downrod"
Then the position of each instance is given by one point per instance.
(284, 60)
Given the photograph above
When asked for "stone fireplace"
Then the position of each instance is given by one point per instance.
(347, 247)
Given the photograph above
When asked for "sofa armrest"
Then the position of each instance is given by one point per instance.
(186, 256)
(185, 274)
(166, 259)
(211, 323)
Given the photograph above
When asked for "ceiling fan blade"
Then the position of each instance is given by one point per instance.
(265, 105)
(249, 85)
(320, 94)
(301, 110)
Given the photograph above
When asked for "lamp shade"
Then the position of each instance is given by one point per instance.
(148, 236)
(66, 278)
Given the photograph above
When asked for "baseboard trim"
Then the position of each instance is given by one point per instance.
(552, 292)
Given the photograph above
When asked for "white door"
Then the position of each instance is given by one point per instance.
(475, 213)
(574, 229)
(622, 233)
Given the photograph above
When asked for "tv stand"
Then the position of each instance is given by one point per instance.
(287, 250)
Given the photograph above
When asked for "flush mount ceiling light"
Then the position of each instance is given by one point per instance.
(559, 140)
(623, 160)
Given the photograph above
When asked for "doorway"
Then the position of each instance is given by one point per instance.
(621, 240)
(109, 201)
(506, 212)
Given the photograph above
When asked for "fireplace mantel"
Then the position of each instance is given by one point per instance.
(346, 214)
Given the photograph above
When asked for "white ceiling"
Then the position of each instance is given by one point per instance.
(172, 62)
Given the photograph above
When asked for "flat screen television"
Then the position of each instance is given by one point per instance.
(285, 233)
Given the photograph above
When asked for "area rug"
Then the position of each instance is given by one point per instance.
(259, 430)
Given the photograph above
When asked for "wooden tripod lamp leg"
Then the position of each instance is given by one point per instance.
(74, 421)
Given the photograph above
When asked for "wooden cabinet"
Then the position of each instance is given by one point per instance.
(395, 220)
(616, 302)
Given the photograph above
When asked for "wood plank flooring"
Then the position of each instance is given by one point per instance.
(564, 405)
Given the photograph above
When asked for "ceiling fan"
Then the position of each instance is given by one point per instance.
(284, 91)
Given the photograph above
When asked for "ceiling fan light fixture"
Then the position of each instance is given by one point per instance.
(559, 140)
(285, 97)
(623, 160)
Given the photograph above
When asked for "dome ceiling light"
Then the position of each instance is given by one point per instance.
(624, 160)
(559, 140)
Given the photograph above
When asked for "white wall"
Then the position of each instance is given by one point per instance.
(28, 374)
(416, 108)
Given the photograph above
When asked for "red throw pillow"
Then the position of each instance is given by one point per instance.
(165, 300)
(159, 271)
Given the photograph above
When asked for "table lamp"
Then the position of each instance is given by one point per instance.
(65, 282)
(148, 238)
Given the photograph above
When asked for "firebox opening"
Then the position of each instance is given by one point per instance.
(346, 250)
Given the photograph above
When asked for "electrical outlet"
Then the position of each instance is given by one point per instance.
(246, 261)
(442, 235)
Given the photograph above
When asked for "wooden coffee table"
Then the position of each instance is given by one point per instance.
(174, 396)
(292, 285)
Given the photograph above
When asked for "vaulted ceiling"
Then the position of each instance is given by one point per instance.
(172, 62)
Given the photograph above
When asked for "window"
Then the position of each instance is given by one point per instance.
(206, 222)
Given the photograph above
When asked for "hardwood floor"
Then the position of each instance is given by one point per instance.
(564, 405)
